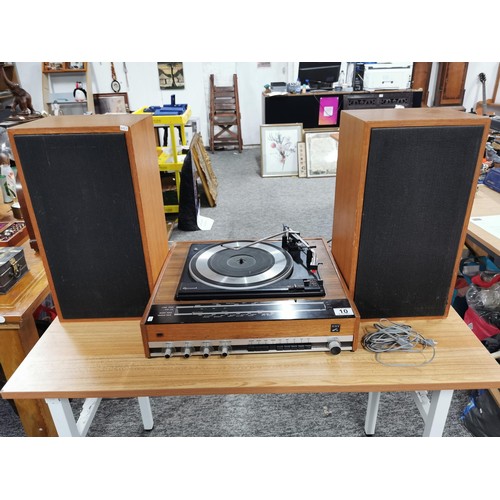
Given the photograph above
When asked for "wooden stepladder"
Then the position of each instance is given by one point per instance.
(225, 117)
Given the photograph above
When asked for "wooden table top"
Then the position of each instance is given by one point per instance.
(106, 359)
(486, 202)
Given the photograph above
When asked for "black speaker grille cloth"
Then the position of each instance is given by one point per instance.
(81, 189)
(418, 184)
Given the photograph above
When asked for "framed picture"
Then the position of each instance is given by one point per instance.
(279, 149)
(76, 65)
(53, 66)
(171, 75)
(328, 111)
(113, 102)
(321, 152)
(301, 151)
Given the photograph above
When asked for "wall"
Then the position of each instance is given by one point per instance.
(143, 88)
(473, 87)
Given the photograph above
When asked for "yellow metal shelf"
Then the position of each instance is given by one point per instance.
(166, 161)
(171, 209)
(170, 160)
(162, 121)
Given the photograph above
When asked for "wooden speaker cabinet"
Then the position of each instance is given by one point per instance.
(406, 180)
(93, 191)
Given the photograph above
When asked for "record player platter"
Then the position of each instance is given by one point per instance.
(247, 269)
(236, 265)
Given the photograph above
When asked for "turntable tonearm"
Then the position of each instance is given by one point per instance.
(249, 297)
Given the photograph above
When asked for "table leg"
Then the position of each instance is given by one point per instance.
(63, 417)
(146, 413)
(434, 410)
(371, 413)
(437, 413)
(67, 426)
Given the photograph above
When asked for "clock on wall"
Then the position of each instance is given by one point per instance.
(115, 84)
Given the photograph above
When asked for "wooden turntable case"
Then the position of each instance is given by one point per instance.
(93, 193)
(405, 184)
(164, 293)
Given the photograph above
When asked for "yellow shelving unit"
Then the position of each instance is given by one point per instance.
(169, 159)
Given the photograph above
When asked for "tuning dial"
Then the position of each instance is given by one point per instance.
(334, 346)
(187, 351)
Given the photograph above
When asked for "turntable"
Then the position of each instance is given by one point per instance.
(246, 297)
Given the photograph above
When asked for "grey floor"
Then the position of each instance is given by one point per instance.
(250, 207)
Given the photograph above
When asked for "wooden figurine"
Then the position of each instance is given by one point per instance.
(22, 98)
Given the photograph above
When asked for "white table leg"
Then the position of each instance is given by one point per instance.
(63, 417)
(146, 413)
(434, 410)
(371, 413)
(437, 414)
(87, 414)
(67, 426)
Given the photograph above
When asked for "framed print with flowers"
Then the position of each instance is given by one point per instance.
(279, 149)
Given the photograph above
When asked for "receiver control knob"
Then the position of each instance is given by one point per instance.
(206, 350)
(334, 347)
(224, 350)
(187, 351)
(169, 351)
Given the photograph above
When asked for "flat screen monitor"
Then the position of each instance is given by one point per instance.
(319, 74)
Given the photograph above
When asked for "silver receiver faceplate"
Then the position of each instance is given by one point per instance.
(187, 348)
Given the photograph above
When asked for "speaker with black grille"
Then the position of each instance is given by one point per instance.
(405, 184)
(93, 191)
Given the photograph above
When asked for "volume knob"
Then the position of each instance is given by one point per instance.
(334, 347)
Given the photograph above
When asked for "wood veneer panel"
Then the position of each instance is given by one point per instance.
(166, 287)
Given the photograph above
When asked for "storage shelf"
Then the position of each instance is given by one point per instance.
(64, 69)
(169, 160)
(67, 102)
(47, 81)
(166, 161)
